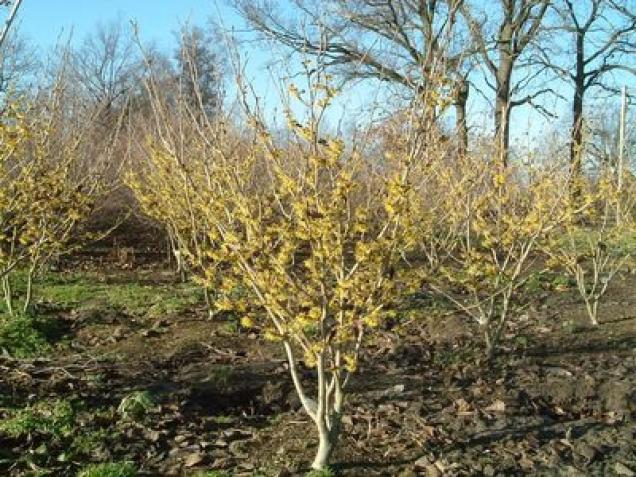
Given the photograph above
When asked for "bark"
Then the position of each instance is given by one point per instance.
(518, 28)
(169, 249)
(326, 444)
(308, 404)
(29, 289)
(502, 101)
(422, 32)
(594, 58)
(461, 126)
(208, 302)
(576, 141)
(8, 294)
(181, 268)
(592, 311)
(326, 411)
(490, 347)
(9, 21)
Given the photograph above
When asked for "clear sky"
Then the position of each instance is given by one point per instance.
(44, 20)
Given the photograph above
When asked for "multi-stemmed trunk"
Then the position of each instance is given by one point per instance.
(327, 439)
(494, 321)
(326, 411)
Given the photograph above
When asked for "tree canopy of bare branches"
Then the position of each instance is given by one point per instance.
(413, 44)
(601, 42)
(501, 32)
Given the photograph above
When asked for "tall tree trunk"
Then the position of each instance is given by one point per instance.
(502, 109)
(576, 140)
(461, 126)
(503, 79)
(9, 21)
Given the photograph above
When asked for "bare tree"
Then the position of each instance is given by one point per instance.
(17, 58)
(200, 69)
(18, 61)
(13, 11)
(417, 45)
(517, 24)
(107, 67)
(604, 40)
(603, 145)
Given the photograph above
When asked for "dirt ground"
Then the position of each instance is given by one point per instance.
(560, 398)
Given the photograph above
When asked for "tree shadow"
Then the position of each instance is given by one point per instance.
(586, 347)
(544, 432)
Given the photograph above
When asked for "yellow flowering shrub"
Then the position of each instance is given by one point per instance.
(594, 242)
(500, 219)
(295, 244)
(43, 198)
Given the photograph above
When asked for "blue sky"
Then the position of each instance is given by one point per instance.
(44, 20)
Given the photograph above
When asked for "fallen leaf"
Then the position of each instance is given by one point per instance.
(497, 406)
(622, 469)
(463, 408)
(193, 459)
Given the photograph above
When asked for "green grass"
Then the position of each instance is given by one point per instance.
(222, 419)
(222, 375)
(621, 242)
(52, 418)
(56, 431)
(210, 473)
(232, 325)
(86, 443)
(327, 472)
(24, 336)
(88, 291)
(109, 469)
(547, 280)
(136, 405)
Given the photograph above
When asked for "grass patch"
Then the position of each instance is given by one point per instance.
(52, 418)
(622, 242)
(77, 291)
(136, 405)
(548, 280)
(109, 469)
(86, 443)
(222, 375)
(327, 472)
(223, 419)
(50, 432)
(24, 336)
(210, 473)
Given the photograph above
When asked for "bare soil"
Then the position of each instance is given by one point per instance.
(560, 398)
